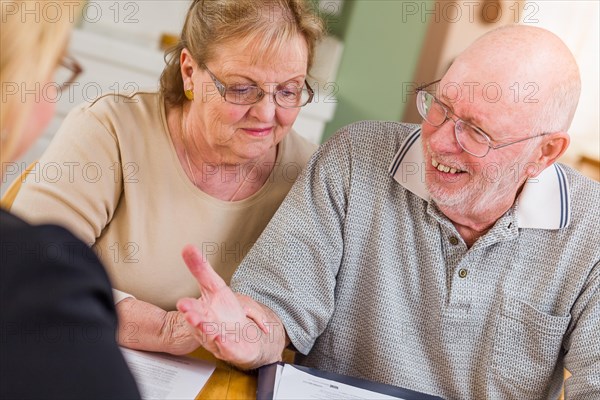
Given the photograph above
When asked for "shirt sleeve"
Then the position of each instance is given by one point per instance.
(77, 183)
(292, 268)
(582, 358)
(120, 296)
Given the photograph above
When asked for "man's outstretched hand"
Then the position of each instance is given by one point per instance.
(231, 326)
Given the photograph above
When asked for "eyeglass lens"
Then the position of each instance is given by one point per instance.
(63, 76)
(467, 136)
(249, 94)
(66, 73)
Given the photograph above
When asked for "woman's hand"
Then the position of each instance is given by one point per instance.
(229, 325)
(144, 326)
(176, 335)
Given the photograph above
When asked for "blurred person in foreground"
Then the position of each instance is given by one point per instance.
(455, 258)
(208, 159)
(58, 321)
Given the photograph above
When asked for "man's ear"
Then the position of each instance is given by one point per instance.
(551, 149)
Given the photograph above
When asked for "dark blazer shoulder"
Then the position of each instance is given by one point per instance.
(34, 256)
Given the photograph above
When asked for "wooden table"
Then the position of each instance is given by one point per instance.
(226, 382)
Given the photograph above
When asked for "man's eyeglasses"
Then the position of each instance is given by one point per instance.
(290, 96)
(471, 139)
(67, 72)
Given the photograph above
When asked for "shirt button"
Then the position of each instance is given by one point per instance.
(453, 240)
(462, 273)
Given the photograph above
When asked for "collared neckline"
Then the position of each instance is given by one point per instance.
(544, 202)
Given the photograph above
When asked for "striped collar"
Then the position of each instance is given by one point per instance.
(544, 202)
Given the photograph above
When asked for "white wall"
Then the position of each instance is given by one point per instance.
(576, 23)
(141, 21)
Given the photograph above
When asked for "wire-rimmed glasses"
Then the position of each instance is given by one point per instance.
(289, 96)
(67, 72)
(470, 138)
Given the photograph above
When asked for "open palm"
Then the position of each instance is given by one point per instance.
(226, 324)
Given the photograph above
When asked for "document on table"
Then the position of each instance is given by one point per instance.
(279, 381)
(164, 376)
(291, 383)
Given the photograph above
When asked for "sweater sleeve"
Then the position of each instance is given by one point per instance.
(292, 268)
(77, 183)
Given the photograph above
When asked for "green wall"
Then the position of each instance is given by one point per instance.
(382, 44)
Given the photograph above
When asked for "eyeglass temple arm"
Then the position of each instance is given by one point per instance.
(425, 86)
(518, 141)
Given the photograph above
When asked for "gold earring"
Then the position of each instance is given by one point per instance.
(189, 94)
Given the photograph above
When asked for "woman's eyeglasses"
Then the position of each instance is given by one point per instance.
(289, 96)
(67, 72)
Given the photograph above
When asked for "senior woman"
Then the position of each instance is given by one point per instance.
(207, 160)
(57, 318)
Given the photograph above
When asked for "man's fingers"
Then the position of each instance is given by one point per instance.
(212, 333)
(204, 332)
(194, 312)
(256, 316)
(206, 276)
(184, 305)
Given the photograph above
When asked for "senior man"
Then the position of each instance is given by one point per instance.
(455, 258)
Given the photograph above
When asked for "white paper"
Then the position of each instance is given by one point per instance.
(164, 376)
(278, 370)
(292, 384)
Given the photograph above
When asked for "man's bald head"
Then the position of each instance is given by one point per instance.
(535, 70)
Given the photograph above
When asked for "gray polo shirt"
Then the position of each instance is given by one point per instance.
(371, 280)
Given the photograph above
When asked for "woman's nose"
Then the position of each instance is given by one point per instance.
(264, 110)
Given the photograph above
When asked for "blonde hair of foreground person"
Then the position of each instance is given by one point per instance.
(59, 296)
(204, 33)
(32, 45)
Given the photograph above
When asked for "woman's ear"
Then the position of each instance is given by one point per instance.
(188, 65)
(551, 149)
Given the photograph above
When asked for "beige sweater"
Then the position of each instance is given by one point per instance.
(111, 175)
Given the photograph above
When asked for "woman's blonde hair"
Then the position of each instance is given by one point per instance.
(33, 37)
(267, 25)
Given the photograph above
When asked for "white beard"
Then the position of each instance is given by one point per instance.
(475, 197)
(481, 192)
